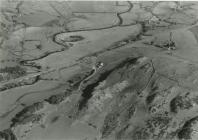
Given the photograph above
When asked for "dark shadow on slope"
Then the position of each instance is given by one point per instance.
(87, 92)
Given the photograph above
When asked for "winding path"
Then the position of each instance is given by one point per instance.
(54, 39)
(90, 76)
(95, 69)
(119, 23)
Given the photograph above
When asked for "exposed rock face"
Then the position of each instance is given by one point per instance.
(7, 135)
(56, 99)
(180, 103)
(189, 130)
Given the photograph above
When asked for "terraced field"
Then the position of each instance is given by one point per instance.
(98, 70)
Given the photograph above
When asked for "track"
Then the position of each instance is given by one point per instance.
(89, 77)
(54, 39)
(119, 23)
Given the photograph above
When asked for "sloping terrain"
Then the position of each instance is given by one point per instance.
(98, 70)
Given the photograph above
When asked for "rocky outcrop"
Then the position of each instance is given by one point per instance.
(27, 114)
(180, 103)
(7, 135)
(189, 130)
(110, 124)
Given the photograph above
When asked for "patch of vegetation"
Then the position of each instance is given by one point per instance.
(34, 118)
(76, 79)
(20, 83)
(7, 135)
(140, 134)
(56, 99)
(128, 113)
(124, 42)
(87, 92)
(73, 38)
(9, 86)
(150, 98)
(195, 99)
(27, 114)
(55, 119)
(187, 129)
(12, 72)
(110, 123)
(180, 102)
(158, 125)
(121, 133)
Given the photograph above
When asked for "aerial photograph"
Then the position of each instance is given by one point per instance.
(98, 70)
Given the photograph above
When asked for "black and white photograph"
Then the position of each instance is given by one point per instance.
(98, 70)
